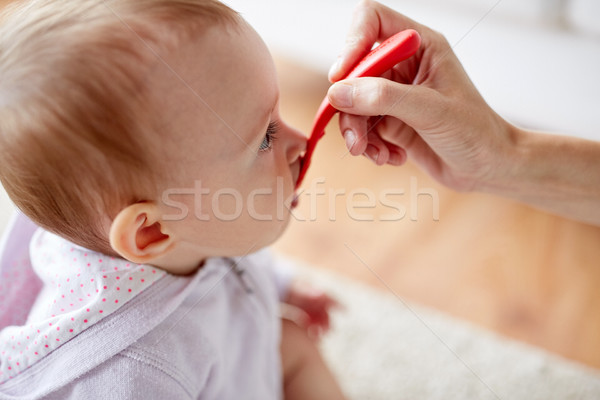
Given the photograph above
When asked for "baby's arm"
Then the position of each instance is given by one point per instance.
(305, 375)
(303, 303)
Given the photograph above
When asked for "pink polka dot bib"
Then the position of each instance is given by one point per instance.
(80, 288)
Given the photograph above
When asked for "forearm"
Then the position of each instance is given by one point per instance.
(555, 173)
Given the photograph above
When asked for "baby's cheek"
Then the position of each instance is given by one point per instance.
(226, 205)
(263, 204)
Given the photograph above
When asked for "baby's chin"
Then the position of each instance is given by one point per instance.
(267, 232)
(276, 231)
(282, 228)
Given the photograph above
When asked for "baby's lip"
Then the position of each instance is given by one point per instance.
(295, 201)
(296, 174)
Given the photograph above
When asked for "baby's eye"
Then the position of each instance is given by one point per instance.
(270, 136)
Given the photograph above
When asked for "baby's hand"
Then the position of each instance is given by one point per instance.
(312, 308)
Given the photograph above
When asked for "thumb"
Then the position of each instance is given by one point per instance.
(415, 105)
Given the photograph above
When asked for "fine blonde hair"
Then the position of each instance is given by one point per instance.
(74, 107)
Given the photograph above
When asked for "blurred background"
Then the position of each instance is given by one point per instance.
(535, 61)
(513, 270)
(520, 272)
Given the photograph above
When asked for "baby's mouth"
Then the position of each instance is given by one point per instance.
(295, 201)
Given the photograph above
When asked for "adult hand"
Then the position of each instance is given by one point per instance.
(425, 107)
(431, 112)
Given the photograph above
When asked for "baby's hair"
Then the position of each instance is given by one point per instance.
(74, 107)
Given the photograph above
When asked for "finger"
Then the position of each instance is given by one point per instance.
(326, 325)
(398, 155)
(387, 152)
(314, 333)
(354, 129)
(322, 322)
(377, 150)
(388, 128)
(372, 22)
(417, 106)
(333, 303)
(396, 133)
(363, 33)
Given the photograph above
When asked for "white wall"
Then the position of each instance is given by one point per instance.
(6, 209)
(528, 69)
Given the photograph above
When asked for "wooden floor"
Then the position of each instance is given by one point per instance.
(507, 267)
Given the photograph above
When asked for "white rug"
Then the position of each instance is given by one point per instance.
(382, 348)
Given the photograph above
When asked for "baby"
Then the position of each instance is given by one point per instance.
(143, 137)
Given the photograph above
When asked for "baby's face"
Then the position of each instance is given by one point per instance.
(234, 162)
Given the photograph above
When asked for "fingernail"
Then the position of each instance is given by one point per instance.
(372, 153)
(340, 95)
(350, 138)
(396, 158)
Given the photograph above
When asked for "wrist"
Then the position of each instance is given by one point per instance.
(507, 160)
(551, 172)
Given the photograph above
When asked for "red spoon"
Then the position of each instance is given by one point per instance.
(395, 49)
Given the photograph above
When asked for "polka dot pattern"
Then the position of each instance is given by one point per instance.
(80, 288)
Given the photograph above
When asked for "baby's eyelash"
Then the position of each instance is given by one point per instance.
(270, 136)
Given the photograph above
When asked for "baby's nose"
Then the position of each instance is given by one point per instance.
(296, 144)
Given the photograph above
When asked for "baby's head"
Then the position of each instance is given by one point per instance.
(144, 128)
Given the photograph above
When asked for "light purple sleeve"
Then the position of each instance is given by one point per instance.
(123, 378)
(282, 270)
(19, 285)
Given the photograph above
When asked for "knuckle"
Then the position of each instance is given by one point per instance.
(363, 4)
(440, 39)
(354, 39)
(441, 112)
(360, 9)
(384, 94)
(378, 94)
(365, 21)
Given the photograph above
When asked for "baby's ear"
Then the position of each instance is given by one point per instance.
(137, 235)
